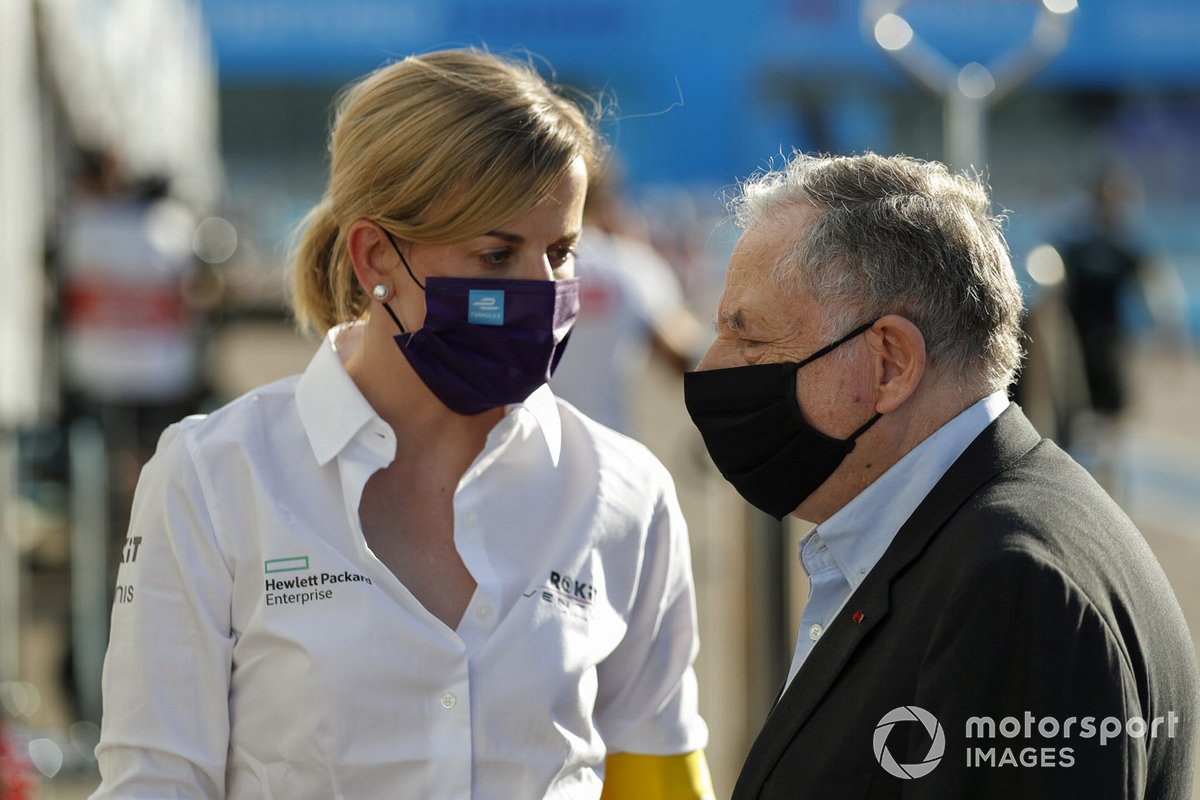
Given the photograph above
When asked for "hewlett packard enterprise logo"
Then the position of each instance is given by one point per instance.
(284, 586)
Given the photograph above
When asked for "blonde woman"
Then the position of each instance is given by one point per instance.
(410, 572)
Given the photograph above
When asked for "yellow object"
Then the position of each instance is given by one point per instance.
(628, 776)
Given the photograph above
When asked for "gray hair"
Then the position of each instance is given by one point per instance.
(898, 235)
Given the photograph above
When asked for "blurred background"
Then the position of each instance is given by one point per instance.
(154, 157)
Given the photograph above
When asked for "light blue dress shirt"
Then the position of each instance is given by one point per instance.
(838, 553)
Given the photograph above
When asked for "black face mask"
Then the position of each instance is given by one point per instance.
(754, 431)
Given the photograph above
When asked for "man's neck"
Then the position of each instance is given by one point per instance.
(893, 437)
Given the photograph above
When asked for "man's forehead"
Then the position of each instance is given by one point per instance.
(780, 226)
(751, 269)
(753, 260)
(769, 240)
(754, 300)
(760, 246)
(744, 296)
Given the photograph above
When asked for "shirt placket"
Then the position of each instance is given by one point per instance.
(447, 714)
(470, 533)
(827, 588)
(473, 524)
(450, 735)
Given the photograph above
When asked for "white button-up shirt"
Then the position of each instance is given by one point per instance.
(260, 650)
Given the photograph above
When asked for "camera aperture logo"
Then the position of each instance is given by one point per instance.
(1026, 730)
(937, 746)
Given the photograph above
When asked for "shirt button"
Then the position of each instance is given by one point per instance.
(483, 613)
(815, 632)
(449, 701)
(470, 519)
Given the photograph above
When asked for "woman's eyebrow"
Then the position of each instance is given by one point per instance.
(512, 238)
(516, 238)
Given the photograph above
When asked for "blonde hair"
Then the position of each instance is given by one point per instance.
(436, 148)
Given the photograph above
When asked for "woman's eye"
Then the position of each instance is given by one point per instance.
(561, 255)
(496, 258)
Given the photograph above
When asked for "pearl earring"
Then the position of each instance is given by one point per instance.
(381, 292)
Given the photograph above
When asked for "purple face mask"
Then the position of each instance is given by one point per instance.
(488, 342)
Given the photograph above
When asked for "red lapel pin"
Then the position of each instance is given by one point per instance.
(857, 616)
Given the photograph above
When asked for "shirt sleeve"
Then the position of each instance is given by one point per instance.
(647, 697)
(165, 731)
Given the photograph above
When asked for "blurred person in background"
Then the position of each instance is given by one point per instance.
(631, 305)
(129, 333)
(962, 567)
(1101, 260)
(1104, 262)
(410, 571)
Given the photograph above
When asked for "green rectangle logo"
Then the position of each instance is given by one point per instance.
(293, 564)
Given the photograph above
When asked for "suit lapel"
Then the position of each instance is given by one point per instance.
(995, 449)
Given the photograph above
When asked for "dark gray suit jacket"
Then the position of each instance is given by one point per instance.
(1017, 589)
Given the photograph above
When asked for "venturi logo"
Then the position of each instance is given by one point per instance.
(937, 745)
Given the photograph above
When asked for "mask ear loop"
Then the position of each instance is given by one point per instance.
(835, 345)
(399, 324)
(854, 436)
(830, 348)
(407, 269)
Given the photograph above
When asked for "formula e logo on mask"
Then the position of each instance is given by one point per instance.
(486, 307)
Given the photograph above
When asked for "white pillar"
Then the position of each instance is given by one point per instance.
(965, 127)
(21, 293)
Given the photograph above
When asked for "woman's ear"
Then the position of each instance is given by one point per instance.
(899, 350)
(372, 255)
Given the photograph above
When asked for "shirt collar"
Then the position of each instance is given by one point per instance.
(333, 410)
(542, 406)
(859, 533)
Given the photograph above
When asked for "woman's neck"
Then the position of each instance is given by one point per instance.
(419, 419)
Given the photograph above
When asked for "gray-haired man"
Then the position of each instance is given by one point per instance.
(984, 621)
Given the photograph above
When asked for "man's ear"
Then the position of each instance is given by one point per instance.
(900, 359)
(372, 255)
